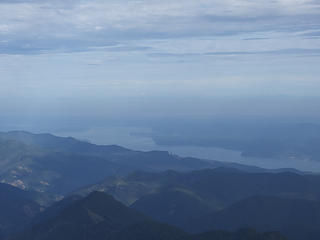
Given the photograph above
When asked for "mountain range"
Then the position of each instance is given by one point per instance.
(62, 188)
(222, 198)
(58, 165)
(100, 216)
(17, 208)
(217, 187)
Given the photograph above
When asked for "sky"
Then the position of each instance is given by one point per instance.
(72, 59)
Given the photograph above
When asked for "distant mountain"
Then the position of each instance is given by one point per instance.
(288, 202)
(172, 206)
(60, 144)
(216, 188)
(242, 234)
(252, 137)
(296, 218)
(99, 216)
(17, 208)
(59, 165)
(53, 210)
(149, 231)
(223, 198)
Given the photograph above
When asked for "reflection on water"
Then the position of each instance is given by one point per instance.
(123, 136)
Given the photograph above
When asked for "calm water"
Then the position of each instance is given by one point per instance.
(124, 136)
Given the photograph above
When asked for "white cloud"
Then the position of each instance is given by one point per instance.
(152, 40)
(153, 18)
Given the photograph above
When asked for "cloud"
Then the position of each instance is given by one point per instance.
(255, 38)
(275, 52)
(68, 26)
(311, 34)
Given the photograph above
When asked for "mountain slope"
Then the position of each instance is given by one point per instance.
(61, 144)
(16, 209)
(296, 218)
(218, 188)
(97, 216)
(173, 206)
(58, 165)
(288, 202)
(242, 234)
(149, 230)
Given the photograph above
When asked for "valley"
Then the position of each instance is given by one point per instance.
(66, 184)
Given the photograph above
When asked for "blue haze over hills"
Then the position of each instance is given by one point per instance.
(162, 68)
(159, 119)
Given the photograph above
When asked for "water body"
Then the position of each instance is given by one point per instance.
(123, 136)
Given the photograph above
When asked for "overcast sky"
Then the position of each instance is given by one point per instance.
(98, 55)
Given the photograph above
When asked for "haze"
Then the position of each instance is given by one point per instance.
(73, 66)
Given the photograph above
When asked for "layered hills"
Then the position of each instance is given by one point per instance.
(222, 198)
(110, 192)
(17, 208)
(59, 165)
(100, 216)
